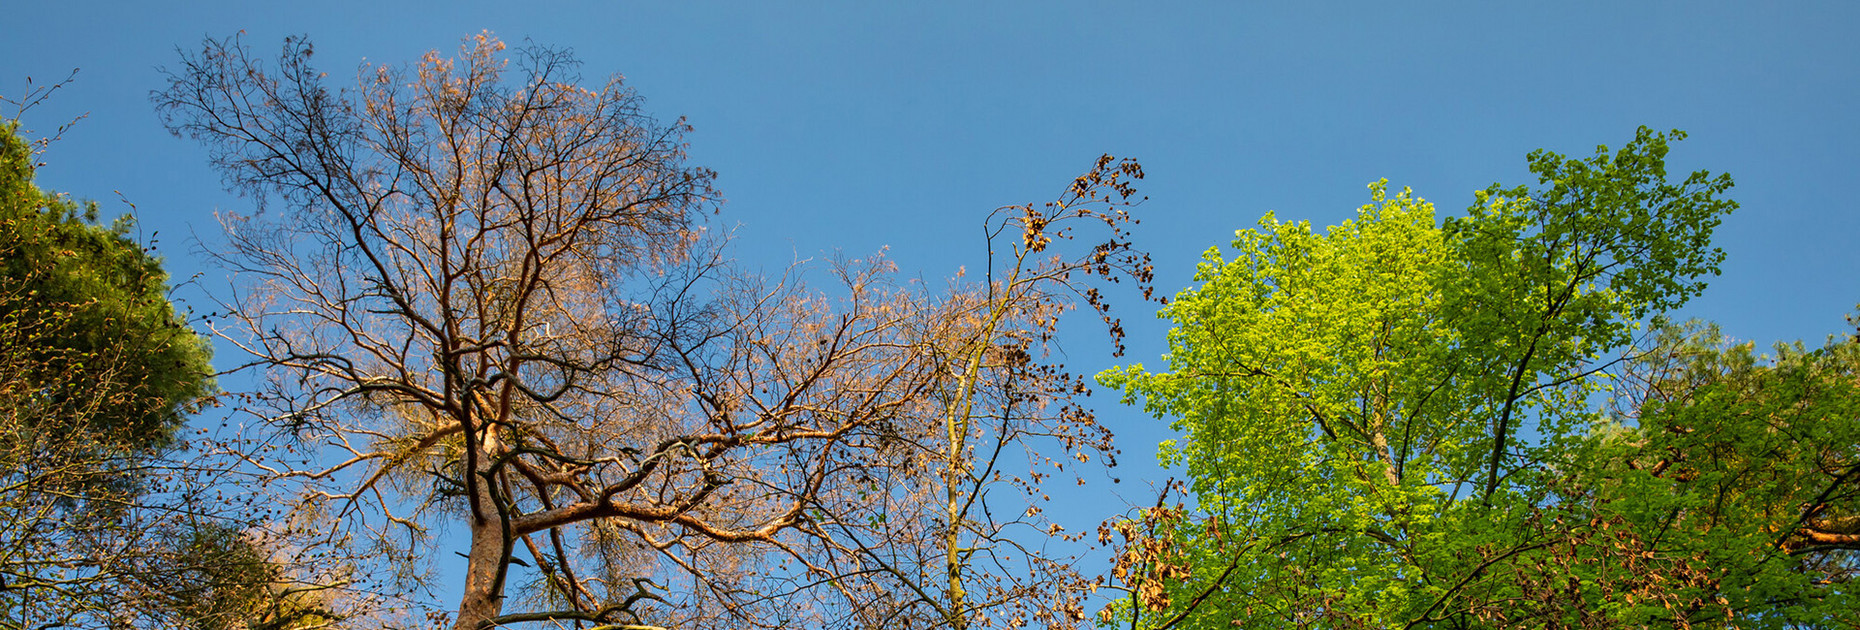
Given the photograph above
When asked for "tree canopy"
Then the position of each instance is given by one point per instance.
(1391, 423)
(99, 505)
(92, 299)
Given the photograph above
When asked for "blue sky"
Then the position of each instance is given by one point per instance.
(854, 126)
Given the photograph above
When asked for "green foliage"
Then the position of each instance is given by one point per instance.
(108, 351)
(1378, 418)
(1734, 476)
(97, 371)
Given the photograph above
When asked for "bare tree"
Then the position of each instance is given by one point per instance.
(489, 298)
(940, 508)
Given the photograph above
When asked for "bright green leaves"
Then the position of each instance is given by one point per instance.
(1304, 339)
(1605, 243)
(1556, 278)
(1301, 371)
(1377, 416)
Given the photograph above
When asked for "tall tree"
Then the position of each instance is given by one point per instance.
(490, 299)
(1375, 416)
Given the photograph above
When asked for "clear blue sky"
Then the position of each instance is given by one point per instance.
(853, 126)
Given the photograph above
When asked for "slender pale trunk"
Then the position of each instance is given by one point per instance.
(952, 538)
(956, 472)
(956, 476)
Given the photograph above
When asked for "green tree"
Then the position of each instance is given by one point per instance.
(98, 372)
(91, 292)
(1375, 416)
(1724, 491)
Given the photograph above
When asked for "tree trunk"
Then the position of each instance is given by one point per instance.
(490, 544)
(484, 588)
